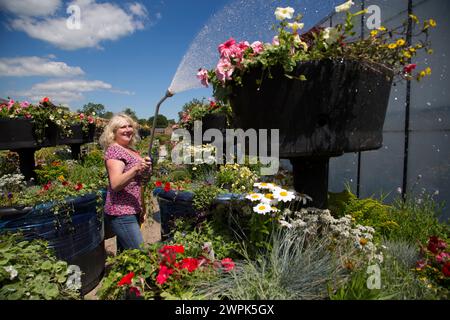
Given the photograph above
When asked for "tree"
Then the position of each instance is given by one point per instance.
(108, 115)
(161, 121)
(93, 108)
(131, 113)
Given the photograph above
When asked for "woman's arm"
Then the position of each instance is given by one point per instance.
(119, 179)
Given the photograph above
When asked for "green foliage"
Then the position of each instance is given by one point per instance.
(204, 196)
(179, 175)
(163, 139)
(9, 162)
(50, 172)
(161, 121)
(131, 114)
(197, 236)
(293, 269)
(29, 271)
(94, 159)
(236, 178)
(93, 109)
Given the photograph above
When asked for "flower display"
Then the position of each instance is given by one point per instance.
(435, 262)
(290, 47)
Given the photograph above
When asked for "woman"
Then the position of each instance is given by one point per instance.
(126, 171)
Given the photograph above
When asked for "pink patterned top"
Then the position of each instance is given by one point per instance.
(128, 200)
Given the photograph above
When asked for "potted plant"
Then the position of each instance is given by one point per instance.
(329, 89)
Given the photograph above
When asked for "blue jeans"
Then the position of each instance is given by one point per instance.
(127, 230)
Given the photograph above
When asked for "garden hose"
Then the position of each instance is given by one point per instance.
(167, 95)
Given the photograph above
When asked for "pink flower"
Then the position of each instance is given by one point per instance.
(90, 119)
(202, 75)
(442, 257)
(224, 70)
(24, 104)
(228, 264)
(421, 264)
(10, 103)
(81, 115)
(276, 41)
(257, 47)
(243, 45)
(44, 100)
(227, 48)
(28, 116)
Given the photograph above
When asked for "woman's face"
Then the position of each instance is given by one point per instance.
(124, 134)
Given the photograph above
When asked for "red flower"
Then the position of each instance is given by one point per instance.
(79, 186)
(164, 274)
(446, 269)
(158, 184)
(65, 183)
(191, 264)
(435, 244)
(169, 253)
(136, 291)
(409, 68)
(126, 280)
(47, 186)
(167, 187)
(228, 264)
(45, 100)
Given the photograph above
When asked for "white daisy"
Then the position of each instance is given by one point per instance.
(254, 196)
(264, 185)
(262, 208)
(284, 195)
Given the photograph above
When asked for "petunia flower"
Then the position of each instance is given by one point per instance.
(224, 70)
(126, 280)
(345, 6)
(202, 75)
(284, 13)
(228, 264)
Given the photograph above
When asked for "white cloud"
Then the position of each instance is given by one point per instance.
(30, 7)
(99, 22)
(67, 91)
(36, 66)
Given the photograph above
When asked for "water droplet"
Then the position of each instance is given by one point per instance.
(395, 98)
(440, 120)
(351, 180)
(429, 104)
(438, 150)
(386, 147)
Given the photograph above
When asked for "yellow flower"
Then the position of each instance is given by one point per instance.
(422, 74)
(373, 33)
(363, 241)
(419, 46)
(406, 54)
(61, 178)
(412, 50)
(428, 71)
(432, 23)
(392, 46)
(430, 51)
(414, 18)
(382, 28)
(401, 42)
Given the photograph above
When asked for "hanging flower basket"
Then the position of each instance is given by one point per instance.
(338, 106)
(20, 133)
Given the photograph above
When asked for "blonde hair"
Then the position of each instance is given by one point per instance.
(109, 133)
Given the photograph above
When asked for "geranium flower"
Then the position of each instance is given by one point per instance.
(24, 104)
(190, 264)
(45, 100)
(164, 274)
(257, 47)
(409, 68)
(202, 75)
(262, 208)
(345, 6)
(442, 257)
(224, 70)
(126, 280)
(135, 291)
(158, 184)
(227, 48)
(446, 269)
(167, 187)
(228, 264)
(284, 13)
(79, 186)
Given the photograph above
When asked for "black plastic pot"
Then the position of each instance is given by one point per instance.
(78, 135)
(339, 108)
(20, 133)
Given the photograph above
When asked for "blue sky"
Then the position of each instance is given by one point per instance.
(125, 54)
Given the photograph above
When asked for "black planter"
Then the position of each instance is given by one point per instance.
(341, 107)
(9, 213)
(19, 134)
(78, 135)
(212, 121)
(77, 237)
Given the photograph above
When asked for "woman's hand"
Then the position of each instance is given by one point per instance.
(144, 167)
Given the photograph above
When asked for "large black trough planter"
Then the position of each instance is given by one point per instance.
(212, 121)
(77, 237)
(20, 133)
(339, 108)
